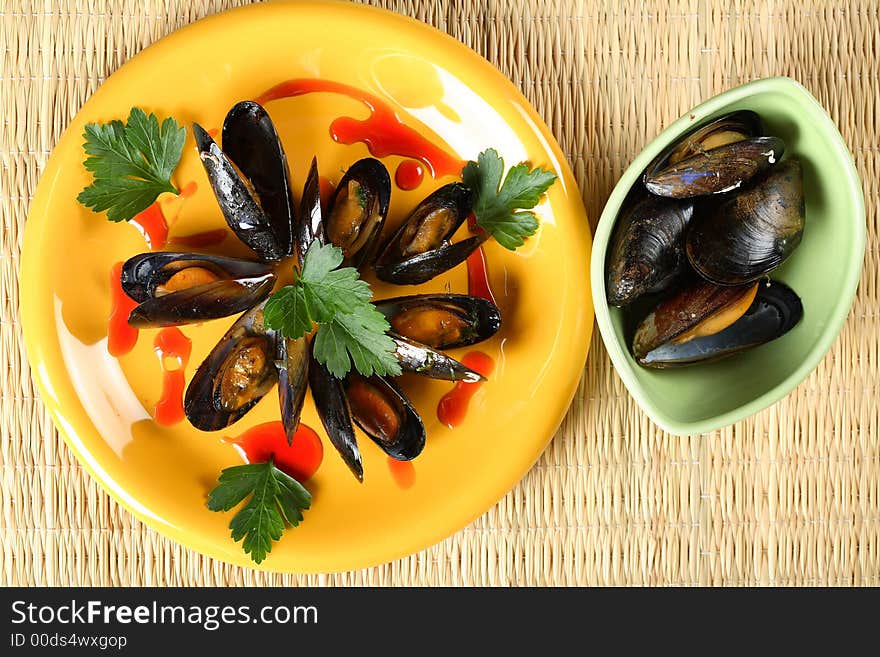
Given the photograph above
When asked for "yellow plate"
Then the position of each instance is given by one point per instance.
(102, 405)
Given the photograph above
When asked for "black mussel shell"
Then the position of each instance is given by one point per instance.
(713, 159)
(309, 225)
(775, 311)
(253, 145)
(442, 321)
(354, 223)
(386, 415)
(293, 370)
(237, 373)
(685, 310)
(748, 235)
(421, 359)
(647, 248)
(331, 403)
(202, 287)
(420, 249)
(237, 200)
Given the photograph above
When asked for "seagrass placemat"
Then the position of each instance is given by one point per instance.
(788, 497)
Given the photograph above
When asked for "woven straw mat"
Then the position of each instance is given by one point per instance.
(788, 497)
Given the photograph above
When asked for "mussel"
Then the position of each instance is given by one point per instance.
(421, 359)
(181, 288)
(357, 209)
(386, 415)
(251, 142)
(647, 249)
(420, 249)
(442, 321)
(309, 224)
(331, 403)
(716, 158)
(292, 361)
(748, 235)
(253, 191)
(237, 373)
(705, 322)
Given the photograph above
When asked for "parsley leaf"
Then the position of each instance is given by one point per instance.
(350, 329)
(132, 163)
(276, 499)
(502, 209)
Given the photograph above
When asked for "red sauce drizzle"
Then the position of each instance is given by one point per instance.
(453, 406)
(300, 459)
(213, 132)
(383, 132)
(189, 189)
(151, 222)
(121, 337)
(403, 472)
(201, 240)
(171, 345)
(409, 175)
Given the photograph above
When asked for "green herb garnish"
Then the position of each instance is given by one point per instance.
(350, 329)
(502, 210)
(276, 499)
(132, 163)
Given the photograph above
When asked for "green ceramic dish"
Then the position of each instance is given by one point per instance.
(824, 271)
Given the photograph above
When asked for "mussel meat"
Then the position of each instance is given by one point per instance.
(421, 248)
(715, 158)
(705, 322)
(181, 288)
(331, 403)
(647, 249)
(421, 359)
(748, 235)
(357, 210)
(386, 415)
(442, 321)
(237, 373)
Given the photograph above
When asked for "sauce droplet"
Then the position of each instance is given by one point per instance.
(478, 276)
(173, 349)
(301, 459)
(121, 338)
(409, 175)
(403, 472)
(189, 189)
(382, 131)
(453, 406)
(201, 240)
(152, 225)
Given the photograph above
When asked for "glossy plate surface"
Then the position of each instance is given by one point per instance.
(103, 405)
(824, 270)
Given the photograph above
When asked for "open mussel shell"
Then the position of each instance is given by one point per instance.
(774, 310)
(253, 145)
(292, 360)
(420, 249)
(357, 209)
(422, 359)
(331, 403)
(386, 415)
(309, 225)
(647, 248)
(238, 201)
(715, 158)
(442, 321)
(181, 288)
(237, 373)
(748, 235)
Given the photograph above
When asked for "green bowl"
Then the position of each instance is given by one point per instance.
(824, 270)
